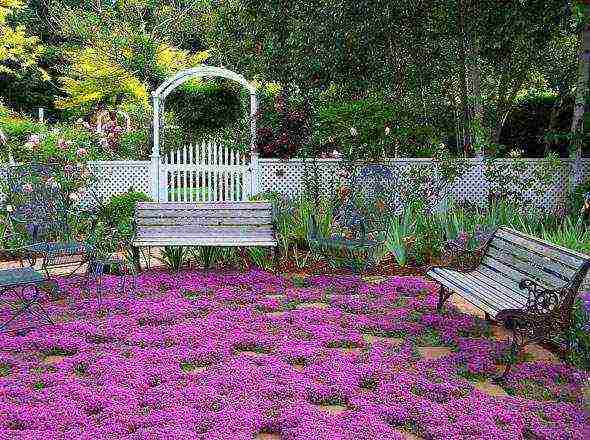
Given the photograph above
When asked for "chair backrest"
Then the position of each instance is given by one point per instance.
(370, 198)
(35, 203)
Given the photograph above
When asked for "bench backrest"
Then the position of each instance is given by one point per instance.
(512, 256)
(211, 223)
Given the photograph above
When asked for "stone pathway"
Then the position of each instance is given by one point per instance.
(433, 352)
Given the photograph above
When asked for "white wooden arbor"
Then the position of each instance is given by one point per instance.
(159, 98)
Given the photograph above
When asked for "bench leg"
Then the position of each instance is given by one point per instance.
(276, 259)
(522, 335)
(443, 295)
(136, 257)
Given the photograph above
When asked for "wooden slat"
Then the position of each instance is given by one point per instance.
(531, 264)
(198, 220)
(493, 267)
(207, 241)
(197, 230)
(448, 281)
(203, 205)
(564, 256)
(496, 293)
(219, 213)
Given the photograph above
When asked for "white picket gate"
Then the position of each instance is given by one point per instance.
(206, 172)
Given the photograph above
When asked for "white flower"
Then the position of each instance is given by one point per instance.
(387, 131)
(353, 131)
(74, 197)
(3, 138)
(33, 141)
(336, 154)
(9, 208)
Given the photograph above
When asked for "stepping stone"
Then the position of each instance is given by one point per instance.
(369, 339)
(409, 435)
(349, 350)
(433, 352)
(541, 354)
(332, 409)
(374, 279)
(52, 359)
(279, 314)
(312, 305)
(490, 389)
(268, 436)
(586, 394)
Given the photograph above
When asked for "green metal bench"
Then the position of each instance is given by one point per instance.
(527, 284)
(27, 285)
(359, 219)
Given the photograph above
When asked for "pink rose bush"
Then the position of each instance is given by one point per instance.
(228, 356)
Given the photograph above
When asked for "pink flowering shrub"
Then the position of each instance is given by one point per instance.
(228, 356)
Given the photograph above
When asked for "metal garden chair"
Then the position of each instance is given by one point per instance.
(39, 216)
(359, 218)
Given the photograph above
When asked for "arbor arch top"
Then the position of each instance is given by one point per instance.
(159, 98)
(198, 72)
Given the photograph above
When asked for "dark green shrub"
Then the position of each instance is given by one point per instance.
(576, 200)
(115, 226)
(134, 145)
(578, 337)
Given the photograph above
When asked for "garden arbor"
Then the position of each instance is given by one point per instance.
(220, 169)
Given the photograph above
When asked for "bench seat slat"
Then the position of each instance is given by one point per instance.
(205, 230)
(204, 241)
(497, 296)
(202, 213)
(204, 220)
(446, 279)
(203, 205)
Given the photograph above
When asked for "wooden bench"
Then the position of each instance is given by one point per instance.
(235, 224)
(527, 284)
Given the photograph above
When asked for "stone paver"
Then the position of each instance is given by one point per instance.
(268, 436)
(52, 359)
(434, 352)
(490, 389)
(313, 305)
(369, 339)
(332, 409)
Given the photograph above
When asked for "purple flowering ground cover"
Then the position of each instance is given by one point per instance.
(243, 356)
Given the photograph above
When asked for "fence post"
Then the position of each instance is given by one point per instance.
(155, 157)
(253, 153)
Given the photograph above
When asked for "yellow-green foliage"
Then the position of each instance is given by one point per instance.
(16, 47)
(94, 77)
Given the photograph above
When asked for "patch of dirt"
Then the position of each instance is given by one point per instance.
(279, 313)
(268, 436)
(433, 352)
(332, 409)
(539, 353)
(490, 389)
(52, 359)
(369, 339)
(313, 305)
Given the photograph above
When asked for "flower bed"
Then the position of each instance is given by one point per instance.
(233, 356)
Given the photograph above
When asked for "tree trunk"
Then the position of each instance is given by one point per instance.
(577, 128)
(463, 80)
(477, 113)
(552, 122)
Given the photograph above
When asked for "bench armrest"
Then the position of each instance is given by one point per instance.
(541, 300)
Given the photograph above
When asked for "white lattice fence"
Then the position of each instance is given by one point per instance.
(116, 177)
(286, 177)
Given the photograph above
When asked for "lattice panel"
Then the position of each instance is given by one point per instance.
(118, 177)
(286, 177)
